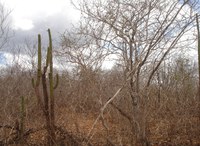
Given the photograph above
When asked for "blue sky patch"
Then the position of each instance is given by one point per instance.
(2, 58)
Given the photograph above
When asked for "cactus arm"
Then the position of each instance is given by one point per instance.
(57, 81)
(50, 60)
(48, 55)
(39, 64)
(39, 60)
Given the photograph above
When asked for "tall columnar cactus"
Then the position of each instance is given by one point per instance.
(198, 39)
(47, 102)
(51, 88)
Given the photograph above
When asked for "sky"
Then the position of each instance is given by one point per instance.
(30, 17)
(28, 14)
(2, 58)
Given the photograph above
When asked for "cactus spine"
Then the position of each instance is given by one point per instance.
(48, 98)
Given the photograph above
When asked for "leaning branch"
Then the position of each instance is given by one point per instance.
(131, 73)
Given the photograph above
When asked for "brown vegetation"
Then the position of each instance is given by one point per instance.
(149, 97)
(171, 115)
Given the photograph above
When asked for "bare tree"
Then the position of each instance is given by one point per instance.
(141, 33)
(4, 25)
(85, 56)
(82, 50)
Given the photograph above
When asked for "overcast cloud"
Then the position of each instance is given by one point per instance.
(57, 23)
(30, 17)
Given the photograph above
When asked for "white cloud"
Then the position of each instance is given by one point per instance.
(20, 59)
(26, 13)
(23, 24)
